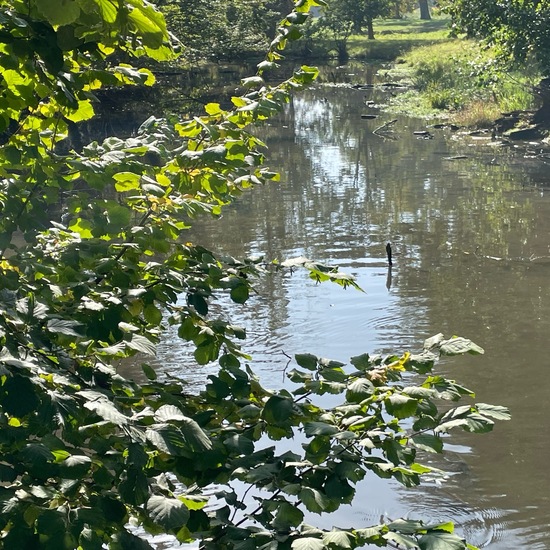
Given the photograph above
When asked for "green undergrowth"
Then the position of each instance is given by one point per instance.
(462, 81)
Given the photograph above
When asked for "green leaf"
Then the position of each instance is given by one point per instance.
(89, 540)
(361, 362)
(108, 10)
(287, 516)
(170, 513)
(402, 540)
(401, 406)
(441, 541)
(314, 500)
(240, 444)
(75, 466)
(407, 526)
(194, 502)
(152, 314)
(339, 539)
(106, 410)
(168, 439)
(59, 12)
(240, 293)
(213, 109)
(85, 111)
(126, 181)
(123, 540)
(195, 435)
(359, 389)
(307, 543)
(428, 442)
(459, 346)
(306, 360)
(166, 413)
(447, 526)
(494, 411)
(149, 371)
(252, 82)
(19, 396)
(277, 410)
(63, 326)
(141, 343)
(319, 428)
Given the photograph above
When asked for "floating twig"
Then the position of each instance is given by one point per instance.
(385, 126)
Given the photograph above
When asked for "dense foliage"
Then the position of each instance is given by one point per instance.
(520, 29)
(94, 266)
(223, 29)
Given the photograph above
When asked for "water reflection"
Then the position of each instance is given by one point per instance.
(469, 225)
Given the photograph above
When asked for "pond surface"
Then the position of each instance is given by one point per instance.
(469, 222)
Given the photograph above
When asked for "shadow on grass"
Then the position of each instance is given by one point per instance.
(408, 26)
(388, 50)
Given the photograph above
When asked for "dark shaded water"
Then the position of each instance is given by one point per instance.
(472, 257)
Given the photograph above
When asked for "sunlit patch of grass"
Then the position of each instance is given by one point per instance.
(395, 37)
(477, 114)
(412, 103)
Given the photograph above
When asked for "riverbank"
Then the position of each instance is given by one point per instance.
(448, 77)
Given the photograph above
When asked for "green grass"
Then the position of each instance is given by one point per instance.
(449, 77)
(395, 37)
(459, 77)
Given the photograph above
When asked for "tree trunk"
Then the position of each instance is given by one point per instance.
(424, 9)
(542, 116)
(370, 29)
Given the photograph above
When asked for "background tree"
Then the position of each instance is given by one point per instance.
(400, 7)
(424, 9)
(519, 31)
(343, 18)
(215, 29)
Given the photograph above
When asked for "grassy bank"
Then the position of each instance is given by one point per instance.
(460, 78)
(450, 77)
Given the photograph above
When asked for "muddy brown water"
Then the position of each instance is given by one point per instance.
(469, 223)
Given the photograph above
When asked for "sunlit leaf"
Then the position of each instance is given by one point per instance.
(494, 411)
(307, 543)
(60, 12)
(441, 541)
(64, 326)
(459, 346)
(339, 539)
(401, 406)
(141, 343)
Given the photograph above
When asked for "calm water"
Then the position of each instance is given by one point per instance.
(472, 257)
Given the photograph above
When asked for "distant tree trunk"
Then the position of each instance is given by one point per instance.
(424, 9)
(370, 29)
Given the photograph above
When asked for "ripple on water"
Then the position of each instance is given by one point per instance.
(481, 527)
